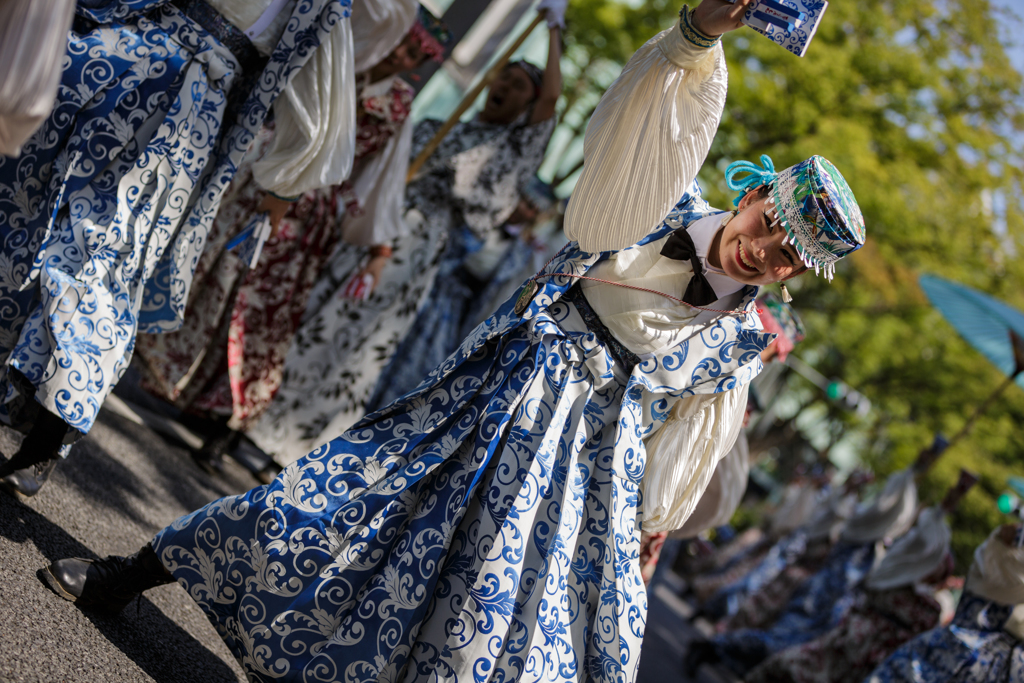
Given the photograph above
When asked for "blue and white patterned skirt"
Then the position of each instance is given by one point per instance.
(136, 123)
(972, 649)
(479, 529)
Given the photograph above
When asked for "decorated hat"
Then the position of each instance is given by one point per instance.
(780, 318)
(538, 193)
(432, 34)
(814, 204)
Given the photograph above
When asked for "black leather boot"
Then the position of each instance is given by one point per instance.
(108, 584)
(210, 457)
(30, 467)
(29, 480)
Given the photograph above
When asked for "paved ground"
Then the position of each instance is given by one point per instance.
(122, 484)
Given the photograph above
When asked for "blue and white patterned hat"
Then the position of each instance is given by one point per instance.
(814, 203)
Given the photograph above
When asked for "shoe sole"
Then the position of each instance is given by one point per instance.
(51, 582)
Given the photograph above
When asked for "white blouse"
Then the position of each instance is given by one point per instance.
(644, 145)
(796, 508)
(916, 554)
(646, 141)
(723, 494)
(648, 322)
(683, 455)
(377, 29)
(33, 40)
(378, 181)
(997, 574)
(316, 113)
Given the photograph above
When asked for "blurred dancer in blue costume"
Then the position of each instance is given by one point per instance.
(375, 281)
(487, 524)
(985, 641)
(105, 212)
(226, 361)
(895, 603)
(788, 549)
(792, 561)
(469, 263)
(820, 603)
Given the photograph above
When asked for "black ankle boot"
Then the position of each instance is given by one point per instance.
(108, 584)
(29, 480)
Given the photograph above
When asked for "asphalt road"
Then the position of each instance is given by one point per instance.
(121, 485)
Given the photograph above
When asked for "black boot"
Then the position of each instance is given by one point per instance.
(210, 457)
(29, 480)
(108, 584)
(30, 467)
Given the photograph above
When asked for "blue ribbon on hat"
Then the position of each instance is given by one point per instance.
(755, 176)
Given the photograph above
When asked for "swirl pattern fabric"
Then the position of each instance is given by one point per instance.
(974, 647)
(815, 608)
(105, 213)
(487, 525)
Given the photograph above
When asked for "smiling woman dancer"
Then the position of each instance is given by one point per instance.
(487, 525)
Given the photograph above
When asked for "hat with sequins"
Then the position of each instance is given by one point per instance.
(432, 34)
(814, 203)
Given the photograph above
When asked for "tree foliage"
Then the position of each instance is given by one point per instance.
(918, 105)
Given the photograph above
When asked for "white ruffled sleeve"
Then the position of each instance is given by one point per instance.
(378, 26)
(315, 118)
(723, 494)
(646, 141)
(380, 188)
(682, 456)
(33, 40)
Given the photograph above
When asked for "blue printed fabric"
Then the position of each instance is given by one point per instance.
(105, 213)
(441, 323)
(726, 601)
(973, 648)
(484, 527)
(815, 608)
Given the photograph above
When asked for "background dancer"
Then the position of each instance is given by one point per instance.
(473, 179)
(105, 213)
(985, 641)
(462, 276)
(226, 362)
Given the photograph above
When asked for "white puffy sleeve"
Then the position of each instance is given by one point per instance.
(646, 141)
(378, 26)
(33, 40)
(380, 186)
(315, 117)
(682, 456)
(723, 494)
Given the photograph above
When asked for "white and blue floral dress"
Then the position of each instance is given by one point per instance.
(105, 212)
(486, 526)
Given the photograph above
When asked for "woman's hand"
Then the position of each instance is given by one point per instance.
(362, 284)
(715, 17)
(276, 208)
(554, 12)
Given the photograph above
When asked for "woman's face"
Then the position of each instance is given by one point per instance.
(509, 96)
(405, 57)
(751, 251)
